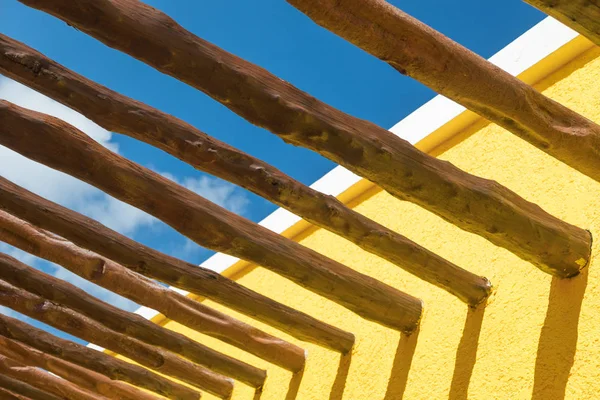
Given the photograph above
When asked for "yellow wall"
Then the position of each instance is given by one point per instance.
(537, 338)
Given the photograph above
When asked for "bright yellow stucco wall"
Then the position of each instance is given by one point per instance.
(537, 337)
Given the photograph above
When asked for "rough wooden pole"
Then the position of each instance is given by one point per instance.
(84, 378)
(118, 113)
(43, 380)
(114, 277)
(25, 390)
(477, 205)
(582, 16)
(137, 257)
(65, 148)
(97, 361)
(123, 322)
(87, 329)
(8, 395)
(416, 50)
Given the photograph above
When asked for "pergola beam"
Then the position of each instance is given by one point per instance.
(23, 389)
(90, 234)
(43, 380)
(477, 205)
(118, 113)
(8, 395)
(581, 16)
(416, 50)
(125, 323)
(63, 147)
(84, 378)
(94, 360)
(173, 305)
(71, 322)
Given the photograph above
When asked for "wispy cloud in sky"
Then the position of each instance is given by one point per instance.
(84, 198)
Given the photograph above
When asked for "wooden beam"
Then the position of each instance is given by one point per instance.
(8, 395)
(142, 259)
(97, 361)
(84, 378)
(89, 330)
(65, 148)
(581, 16)
(44, 381)
(416, 50)
(118, 113)
(21, 388)
(477, 205)
(114, 277)
(126, 323)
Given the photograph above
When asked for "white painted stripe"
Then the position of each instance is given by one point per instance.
(520, 55)
(530, 48)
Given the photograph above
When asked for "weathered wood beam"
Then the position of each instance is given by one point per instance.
(582, 16)
(173, 305)
(126, 323)
(44, 381)
(23, 389)
(8, 395)
(89, 330)
(65, 148)
(137, 257)
(97, 361)
(121, 114)
(416, 50)
(84, 378)
(477, 205)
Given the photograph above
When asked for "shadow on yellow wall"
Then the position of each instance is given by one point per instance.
(558, 340)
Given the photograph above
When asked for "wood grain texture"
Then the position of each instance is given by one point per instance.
(118, 113)
(44, 381)
(21, 388)
(416, 50)
(582, 16)
(65, 148)
(114, 277)
(85, 328)
(477, 205)
(97, 361)
(84, 378)
(92, 235)
(126, 323)
(8, 395)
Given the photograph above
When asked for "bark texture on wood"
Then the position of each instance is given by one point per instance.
(126, 323)
(23, 389)
(84, 378)
(8, 395)
(65, 148)
(137, 257)
(416, 50)
(43, 380)
(114, 277)
(97, 361)
(582, 16)
(121, 114)
(89, 330)
(477, 205)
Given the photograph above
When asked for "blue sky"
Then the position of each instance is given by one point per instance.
(270, 33)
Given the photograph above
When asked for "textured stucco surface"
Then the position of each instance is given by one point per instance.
(536, 338)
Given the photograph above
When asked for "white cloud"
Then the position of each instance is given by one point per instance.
(216, 190)
(77, 195)
(55, 185)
